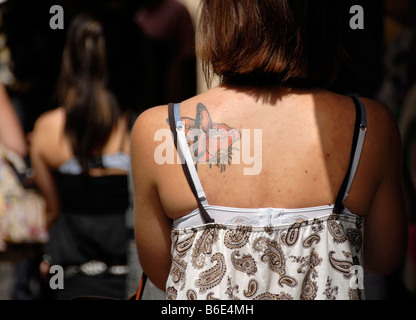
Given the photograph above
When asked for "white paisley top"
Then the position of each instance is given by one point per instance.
(267, 254)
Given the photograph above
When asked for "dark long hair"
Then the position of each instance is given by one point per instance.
(92, 111)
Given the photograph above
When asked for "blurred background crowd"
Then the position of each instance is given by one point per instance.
(151, 61)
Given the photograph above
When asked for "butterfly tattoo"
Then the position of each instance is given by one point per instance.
(210, 142)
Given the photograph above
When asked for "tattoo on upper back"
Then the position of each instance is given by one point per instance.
(210, 142)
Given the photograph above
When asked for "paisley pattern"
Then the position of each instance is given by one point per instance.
(232, 290)
(342, 266)
(336, 230)
(270, 296)
(309, 286)
(203, 247)
(252, 289)
(235, 239)
(171, 293)
(191, 295)
(210, 296)
(273, 255)
(307, 260)
(177, 271)
(212, 277)
(245, 264)
(288, 281)
(310, 241)
(331, 291)
(355, 238)
(292, 236)
(183, 246)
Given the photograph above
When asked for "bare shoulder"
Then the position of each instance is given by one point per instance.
(148, 122)
(50, 120)
(383, 139)
(381, 122)
(153, 116)
(47, 132)
(143, 142)
(378, 112)
(47, 140)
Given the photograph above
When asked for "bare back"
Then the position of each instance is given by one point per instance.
(50, 149)
(305, 148)
(306, 145)
(57, 149)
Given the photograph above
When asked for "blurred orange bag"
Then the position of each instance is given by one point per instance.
(22, 211)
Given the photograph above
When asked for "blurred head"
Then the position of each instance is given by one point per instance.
(270, 42)
(92, 111)
(84, 54)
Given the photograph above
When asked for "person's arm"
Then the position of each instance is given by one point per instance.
(386, 232)
(43, 178)
(152, 226)
(11, 132)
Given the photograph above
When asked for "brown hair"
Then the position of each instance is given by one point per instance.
(283, 42)
(92, 111)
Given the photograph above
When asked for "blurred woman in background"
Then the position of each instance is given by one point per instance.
(81, 158)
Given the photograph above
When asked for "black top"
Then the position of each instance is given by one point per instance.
(92, 223)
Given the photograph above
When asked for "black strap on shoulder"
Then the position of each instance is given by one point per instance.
(339, 203)
(205, 216)
(172, 126)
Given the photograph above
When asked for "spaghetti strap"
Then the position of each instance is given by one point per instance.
(179, 136)
(360, 131)
(181, 144)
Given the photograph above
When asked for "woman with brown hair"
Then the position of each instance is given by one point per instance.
(80, 153)
(209, 228)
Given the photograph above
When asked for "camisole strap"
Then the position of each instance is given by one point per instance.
(181, 144)
(178, 131)
(356, 152)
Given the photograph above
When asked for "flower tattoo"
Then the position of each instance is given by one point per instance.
(209, 141)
